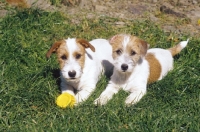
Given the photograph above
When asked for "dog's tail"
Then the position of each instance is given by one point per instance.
(177, 49)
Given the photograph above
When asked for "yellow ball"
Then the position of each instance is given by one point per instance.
(65, 99)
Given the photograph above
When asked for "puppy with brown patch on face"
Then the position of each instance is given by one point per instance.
(135, 66)
(81, 64)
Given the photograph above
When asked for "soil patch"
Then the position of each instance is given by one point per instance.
(172, 15)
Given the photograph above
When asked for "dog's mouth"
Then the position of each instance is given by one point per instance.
(72, 79)
(70, 76)
(124, 71)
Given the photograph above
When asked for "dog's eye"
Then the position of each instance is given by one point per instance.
(63, 57)
(78, 56)
(133, 52)
(118, 52)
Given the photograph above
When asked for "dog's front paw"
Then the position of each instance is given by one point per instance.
(79, 99)
(81, 96)
(101, 100)
(133, 98)
(130, 101)
(65, 100)
(104, 97)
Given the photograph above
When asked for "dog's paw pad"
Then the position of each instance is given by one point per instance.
(65, 100)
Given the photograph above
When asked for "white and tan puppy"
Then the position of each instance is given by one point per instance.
(135, 66)
(81, 64)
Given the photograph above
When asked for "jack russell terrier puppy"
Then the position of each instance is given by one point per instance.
(82, 64)
(135, 66)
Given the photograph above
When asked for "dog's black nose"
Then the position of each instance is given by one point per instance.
(72, 73)
(124, 67)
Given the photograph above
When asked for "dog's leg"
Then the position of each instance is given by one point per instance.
(65, 88)
(83, 94)
(107, 94)
(135, 96)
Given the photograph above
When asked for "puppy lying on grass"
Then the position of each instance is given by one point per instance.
(135, 66)
(81, 65)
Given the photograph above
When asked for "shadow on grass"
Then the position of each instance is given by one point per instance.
(56, 75)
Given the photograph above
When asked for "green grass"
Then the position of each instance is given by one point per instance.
(29, 82)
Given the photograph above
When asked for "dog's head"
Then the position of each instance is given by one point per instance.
(128, 51)
(71, 56)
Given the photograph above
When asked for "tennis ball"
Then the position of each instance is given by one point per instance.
(65, 100)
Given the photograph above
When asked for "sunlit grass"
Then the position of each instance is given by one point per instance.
(29, 82)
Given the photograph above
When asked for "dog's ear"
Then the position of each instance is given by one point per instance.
(85, 44)
(143, 47)
(112, 39)
(54, 47)
(116, 38)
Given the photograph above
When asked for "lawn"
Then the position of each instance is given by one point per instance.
(29, 83)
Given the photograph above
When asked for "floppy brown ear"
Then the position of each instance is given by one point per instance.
(85, 44)
(116, 38)
(143, 47)
(54, 47)
(112, 39)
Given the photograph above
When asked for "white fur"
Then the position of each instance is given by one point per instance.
(133, 82)
(86, 80)
(184, 43)
(165, 58)
(71, 63)
(135, 79)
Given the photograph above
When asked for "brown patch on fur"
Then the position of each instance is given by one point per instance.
(154, 68)
(175, 50)
(54, 47)
(60, 48)
(63, 54)
(135, 44)
(19, 3)
(143, 45)
(85, 44)
(62, 51)
(138, 46)
(117, 39)
(116, 43)
(80, 51)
